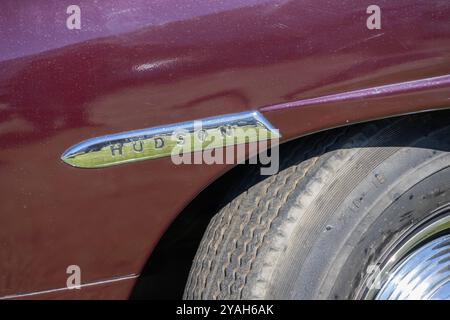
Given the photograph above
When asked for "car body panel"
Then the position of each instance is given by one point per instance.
(140, 64)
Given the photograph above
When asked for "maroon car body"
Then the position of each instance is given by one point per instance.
(306, 65)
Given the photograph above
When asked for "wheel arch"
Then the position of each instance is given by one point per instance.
(171, 258)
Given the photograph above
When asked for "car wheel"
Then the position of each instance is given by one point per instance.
(351, 214)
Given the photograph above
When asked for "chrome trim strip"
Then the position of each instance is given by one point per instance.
(157, 142)
(373, 92)
(84, 285)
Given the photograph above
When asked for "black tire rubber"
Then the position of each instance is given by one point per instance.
(340, 201)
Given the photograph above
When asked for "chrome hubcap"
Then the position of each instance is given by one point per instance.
(420, 268)
(424, 274)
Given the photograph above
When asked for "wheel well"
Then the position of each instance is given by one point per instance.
(166, 271)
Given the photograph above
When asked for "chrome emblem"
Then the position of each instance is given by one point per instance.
(157, 142)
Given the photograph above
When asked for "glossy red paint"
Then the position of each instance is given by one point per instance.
(137, 64)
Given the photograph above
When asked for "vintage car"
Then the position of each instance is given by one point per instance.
(347, 99)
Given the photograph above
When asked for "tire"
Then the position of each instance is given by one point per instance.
(341, 202)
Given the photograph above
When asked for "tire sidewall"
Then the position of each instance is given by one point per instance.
(396, 197)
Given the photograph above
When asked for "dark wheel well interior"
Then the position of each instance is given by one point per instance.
(166, 272)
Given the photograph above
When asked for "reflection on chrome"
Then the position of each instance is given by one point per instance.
(157, 142)
(420, 267)
(424, 274)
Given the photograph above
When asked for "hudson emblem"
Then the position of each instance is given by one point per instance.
(160, 141)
